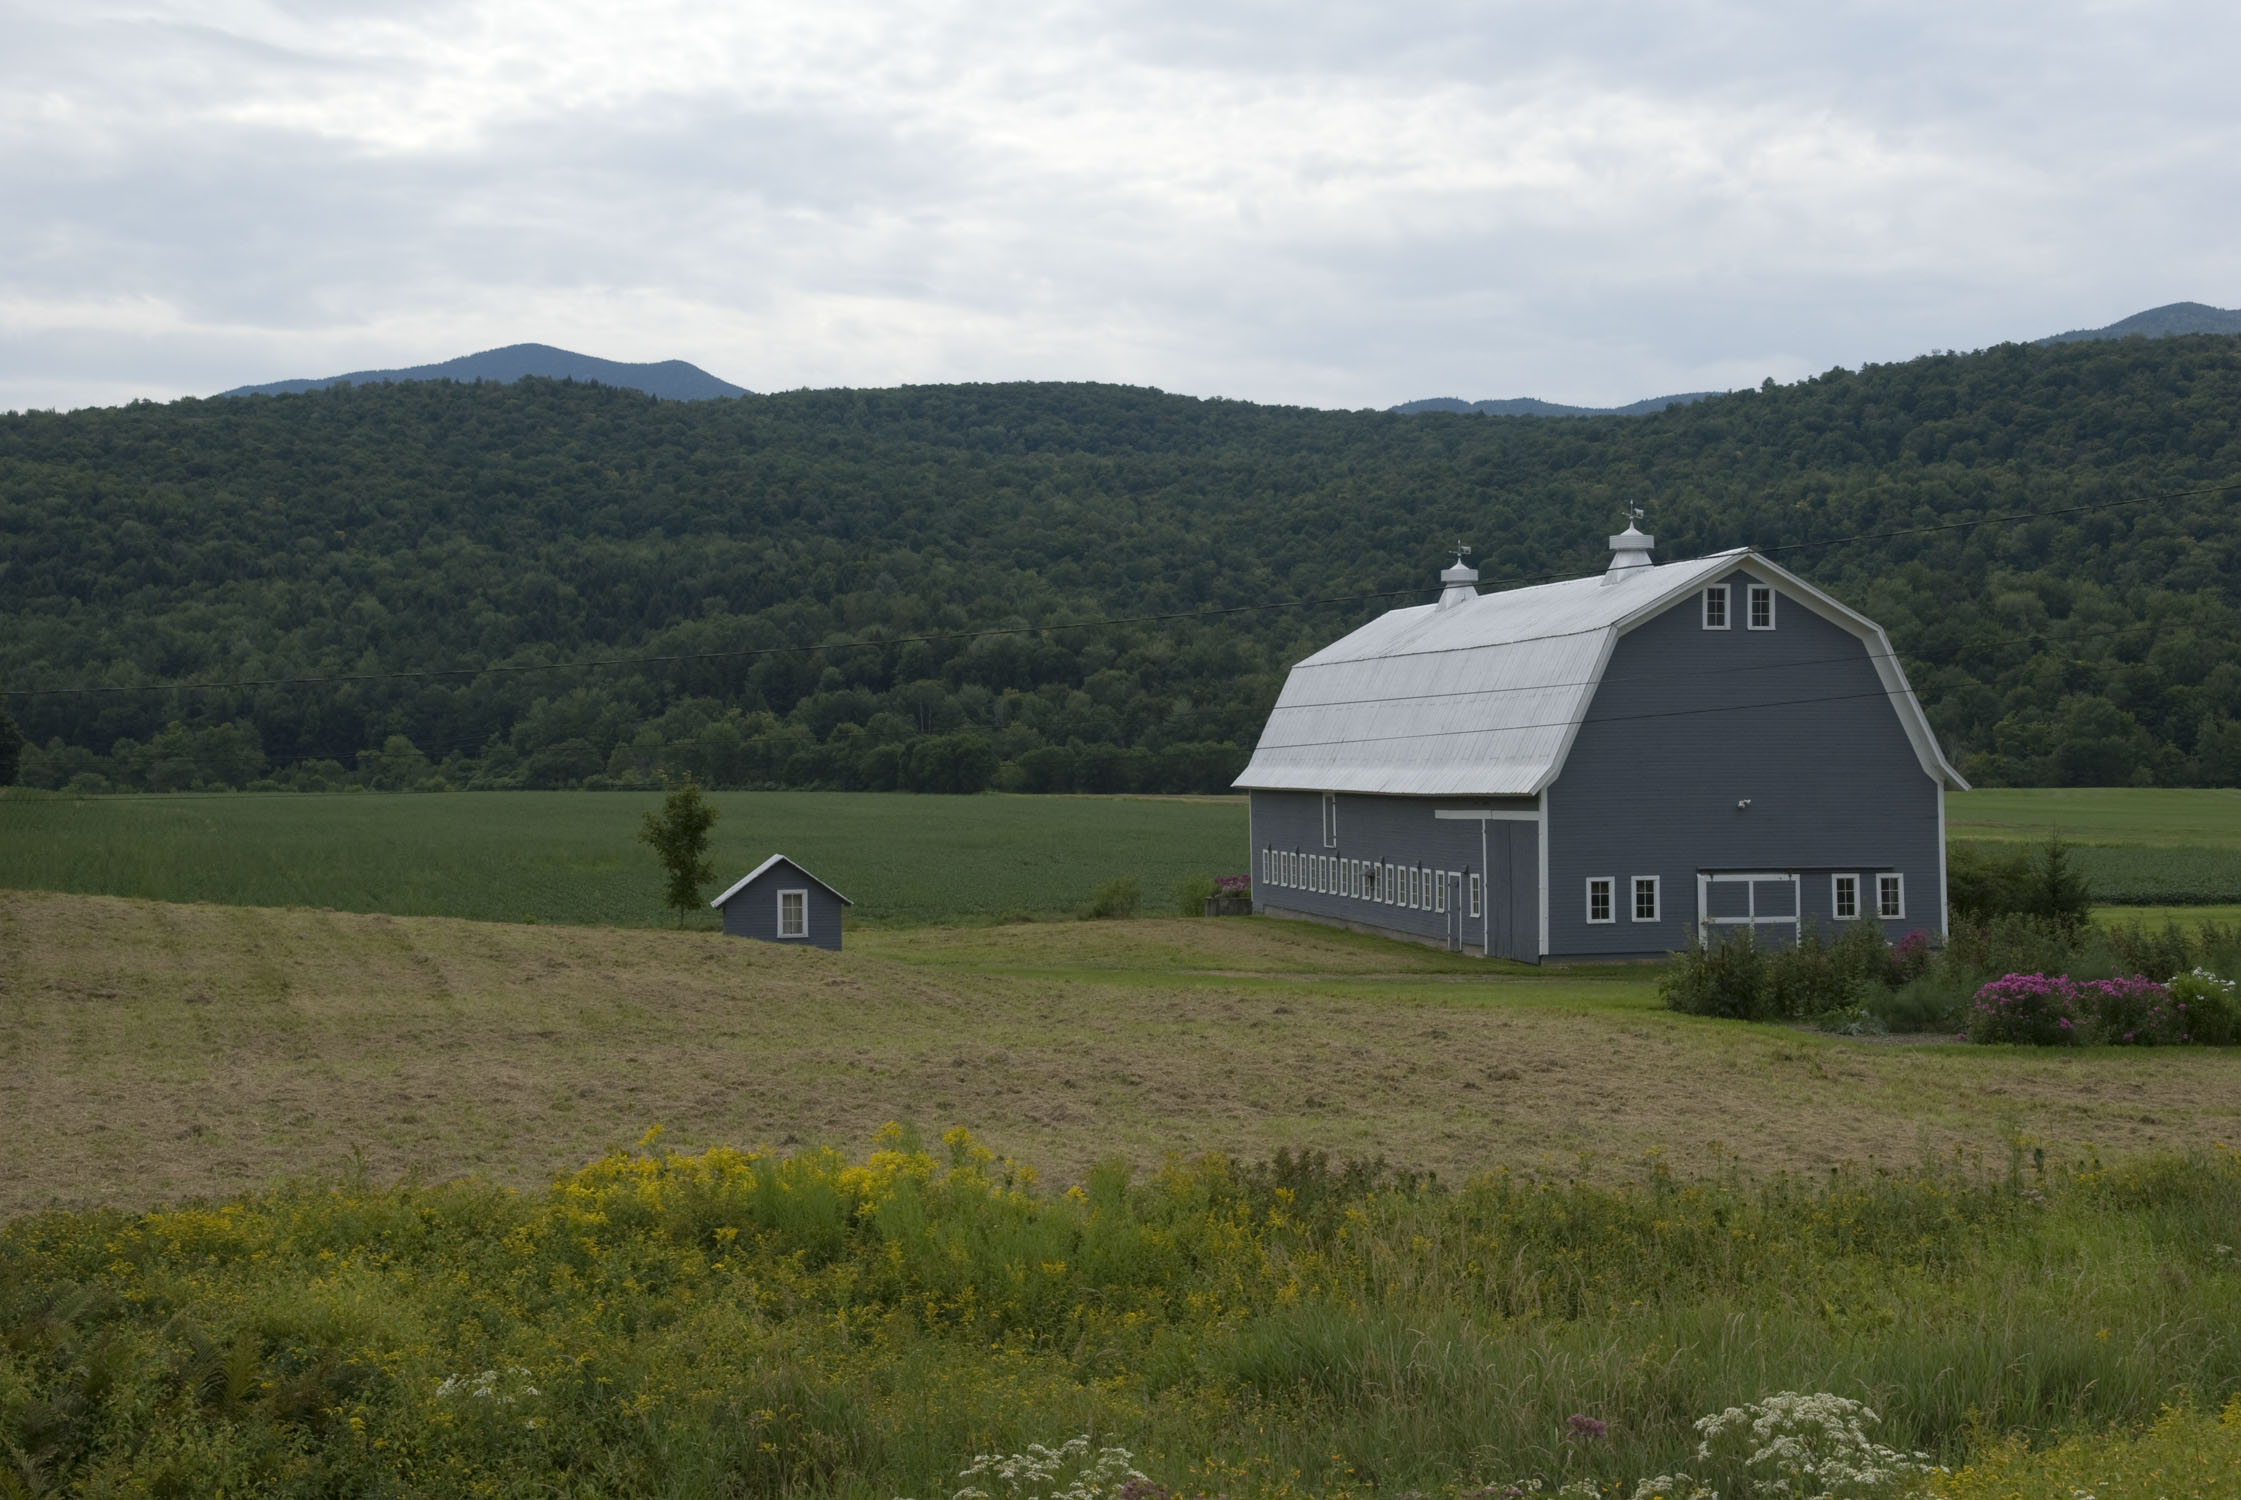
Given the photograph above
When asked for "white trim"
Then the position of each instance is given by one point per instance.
(1634, 898)
(1439, 891)
(1751, 592)
(1890, 916)
(1540, 838)
(1836, 898)
(1330, 820)
(1477, 879)
(1945, 908)
(1485, 907)
(793, 890)
(1751, 879)
(1488, 814)
(1727, 611)
(757, 873)
(1610, 900)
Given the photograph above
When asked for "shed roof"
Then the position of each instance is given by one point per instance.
(760, 870)
(1484, 697)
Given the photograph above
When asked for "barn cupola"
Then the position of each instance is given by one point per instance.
(1629, 549)
(1459, 584)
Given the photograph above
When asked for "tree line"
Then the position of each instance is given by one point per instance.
(813, 566)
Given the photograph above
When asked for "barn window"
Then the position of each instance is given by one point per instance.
(1416, 887)
(1330, 820)
(1599, 898)
(1354, 878)
(1439, 890)
(1266, 877)
(1476, 899)
(1645, 898)
(1762, 607)
(1844, 896)
(793, 914)
(1890, 896)
(1715, 607)
(1385, 887)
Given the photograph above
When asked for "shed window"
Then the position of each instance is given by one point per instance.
(1645, 898)
(1330, 820)
(1476, 898)
(793, 914)
(1844, 896)
(1715, 607)
(1599, 898)
(1762, 607)
(1890, 896)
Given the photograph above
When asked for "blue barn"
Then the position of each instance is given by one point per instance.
(780, 902)
(1596, 768)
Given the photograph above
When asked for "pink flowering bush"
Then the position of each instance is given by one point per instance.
(2037, 1009)
(1232, 886)
(2134, 1012)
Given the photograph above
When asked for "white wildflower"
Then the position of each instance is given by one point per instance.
(1804, 1447)
(1066, 1472)
(486, 1386)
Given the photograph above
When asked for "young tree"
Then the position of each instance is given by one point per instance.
(679, 835)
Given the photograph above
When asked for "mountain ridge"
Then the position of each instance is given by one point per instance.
(669, 379)
(2168, 321)
(1533, 406)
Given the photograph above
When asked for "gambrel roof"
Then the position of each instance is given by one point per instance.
(1484, 696)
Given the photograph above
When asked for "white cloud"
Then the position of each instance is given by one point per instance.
(1343, 205)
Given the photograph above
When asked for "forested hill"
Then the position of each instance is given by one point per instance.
(371, 529)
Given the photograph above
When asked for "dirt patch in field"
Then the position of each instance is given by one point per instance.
(152, 1051)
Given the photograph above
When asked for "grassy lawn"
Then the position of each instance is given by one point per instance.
(574, 857)
(156, 1051)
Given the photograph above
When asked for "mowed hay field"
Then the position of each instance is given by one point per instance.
(574, 856)
(160, 1052)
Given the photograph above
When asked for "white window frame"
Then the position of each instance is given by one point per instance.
(1610, 900)
(1267, 857)
(1478, 899)
(1354, 879)
(1751, 597)
(1657, 898)
(1727, 616)
(1322, 874)
(1385, 890)
(803, 892)
(1896, 883)
(1439, 890)
(1419, 889)
(1837, 894)
(1330, 820)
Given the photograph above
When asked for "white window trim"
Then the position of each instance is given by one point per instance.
(1657, 898)
(803, 892)
(1330, 820)
(1610, 900)
(1727, 611)
(1890, 916)
(1439, 890)
(1836, 898)
(1478, 908)
(1750, 594)
(1385, 890)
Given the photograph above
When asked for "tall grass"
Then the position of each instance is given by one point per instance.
(744, 1324)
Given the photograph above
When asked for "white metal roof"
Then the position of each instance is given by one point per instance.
(756, 873)
(1483, 698)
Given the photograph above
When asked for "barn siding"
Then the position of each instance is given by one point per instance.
(1403, 831)
(753, 912)
(1803, 730)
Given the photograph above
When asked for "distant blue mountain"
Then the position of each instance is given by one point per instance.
(2158, 323)
(1527, 406)
(671, 379)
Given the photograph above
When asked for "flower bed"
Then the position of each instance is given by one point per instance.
(2054, 1010)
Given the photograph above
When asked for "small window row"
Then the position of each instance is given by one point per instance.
(1758, 607)
(1413, 886)
(1844, 898)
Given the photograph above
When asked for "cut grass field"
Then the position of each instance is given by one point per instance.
(574, 856)
(153, 1051)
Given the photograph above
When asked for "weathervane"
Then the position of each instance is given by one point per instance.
(1462, 550)
(1636, 512)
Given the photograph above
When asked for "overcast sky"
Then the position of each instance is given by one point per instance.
(1336, 205)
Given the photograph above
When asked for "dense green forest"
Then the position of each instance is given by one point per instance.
(791, 545)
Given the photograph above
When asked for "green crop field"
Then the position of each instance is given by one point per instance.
(2138, 846)
(573, 856)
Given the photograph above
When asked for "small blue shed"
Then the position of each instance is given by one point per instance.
(780, 902)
